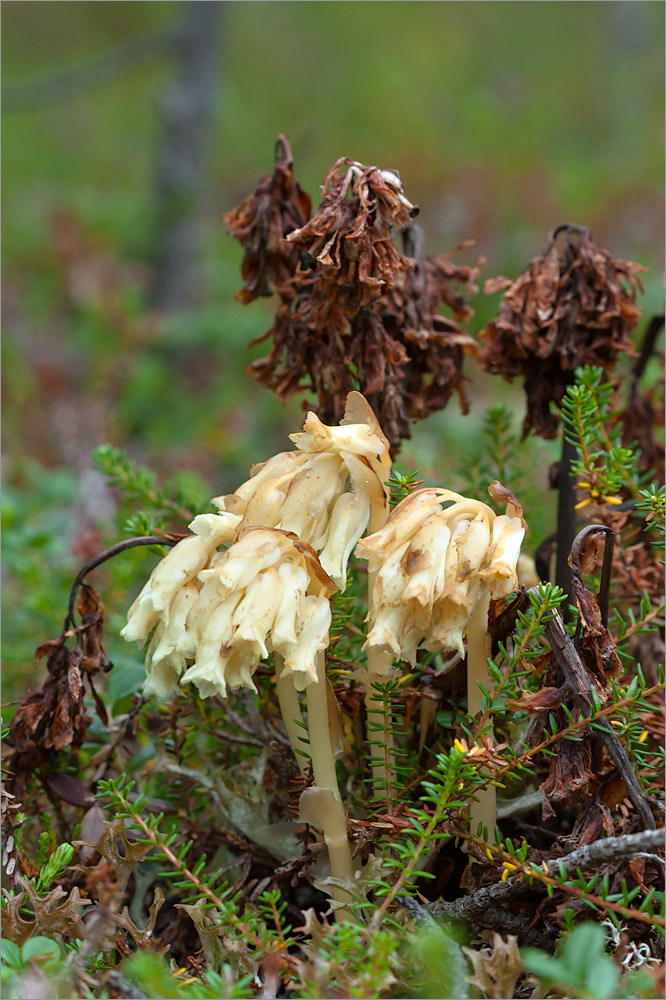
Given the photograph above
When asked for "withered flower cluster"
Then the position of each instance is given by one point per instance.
(355, 312)
(574, 305)
(276, 207)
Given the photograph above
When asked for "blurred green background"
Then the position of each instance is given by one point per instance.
(504, 120)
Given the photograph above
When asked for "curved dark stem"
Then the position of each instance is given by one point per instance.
(647, 350)
(603, 597)
(129, 543)
(569, 228)
(413, 241)
(566, 521)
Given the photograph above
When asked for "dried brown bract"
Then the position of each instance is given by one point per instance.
(434, 345)
(54, 717)
(276, 207)
(306, 357)
(574, 305)
(349, 238)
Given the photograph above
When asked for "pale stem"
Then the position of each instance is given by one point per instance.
(381, 752)
(333, 820)
(381, 755)
(321, 749)
(292, 716)
(478, 650)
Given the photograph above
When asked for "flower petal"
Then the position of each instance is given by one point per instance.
(300, 657)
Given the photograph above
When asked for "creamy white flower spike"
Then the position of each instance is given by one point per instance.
(328, 491)
(430, 562)
(273, 597)
(179, 567)
(228, 610)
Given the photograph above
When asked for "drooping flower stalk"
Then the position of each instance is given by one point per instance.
(266, 592)
(435, 564)
(304, 491)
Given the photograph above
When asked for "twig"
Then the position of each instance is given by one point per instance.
(603, 597)
(418, 909)
(473, 908)
(493, 918)
(566, 519)
(580, 683)
(647, 350)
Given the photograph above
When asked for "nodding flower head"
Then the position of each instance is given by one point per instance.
(430, 561)
(178, 568)
(328, 491)
(267, 592)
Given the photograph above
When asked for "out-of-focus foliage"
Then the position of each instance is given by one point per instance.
(504, 120)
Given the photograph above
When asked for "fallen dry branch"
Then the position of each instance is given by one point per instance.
(475, 907)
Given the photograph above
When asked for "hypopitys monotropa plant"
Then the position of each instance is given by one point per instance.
(216, 613)
(434, 567)
(328, 491)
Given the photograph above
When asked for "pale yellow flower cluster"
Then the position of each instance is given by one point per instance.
(328, 491)
(217, 614)
(267, 592)
(430, 562)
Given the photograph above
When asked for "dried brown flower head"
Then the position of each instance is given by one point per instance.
(357, 313)
(433, 345)
(349, 238)
(574, 305)
(276, 207)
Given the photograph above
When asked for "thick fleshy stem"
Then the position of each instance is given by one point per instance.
(482, 811)
(290, 709)
(331, 817)
(321, 748)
